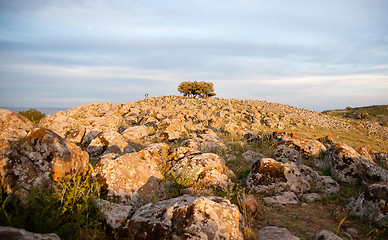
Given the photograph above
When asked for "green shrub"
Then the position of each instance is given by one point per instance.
(33, 115)
(68, 209)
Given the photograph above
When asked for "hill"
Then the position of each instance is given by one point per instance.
(375, 113)
(175, 166)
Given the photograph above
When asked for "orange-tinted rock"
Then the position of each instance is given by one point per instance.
(269, 175)
(39, 159)
(187, 217)
(13, 125)
(348, 165)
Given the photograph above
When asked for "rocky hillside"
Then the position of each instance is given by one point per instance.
(378, 113)
(178, 168)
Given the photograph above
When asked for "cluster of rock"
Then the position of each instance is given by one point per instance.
(289, 180)
(104, 136)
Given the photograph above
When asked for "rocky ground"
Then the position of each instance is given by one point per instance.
(178, 168)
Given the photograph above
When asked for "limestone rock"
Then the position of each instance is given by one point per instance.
(13, 125)
(311, 197)
(131, 178)
(285, 154)
(187, 217)
(283, 198)
(206, 141)
(326, 184)
(115, 214)
(304, 146)
(325, 235)
(252, 156)
(136, 132)
(349, 166)
(373, 203)
(204, 168)
(275, 233)
(40, 158)
(309, 173)
(75, 136)
(108, 142)
(171, 127)
(10, 233)
(268, 174)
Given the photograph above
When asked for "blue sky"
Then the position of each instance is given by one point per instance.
(306, 53)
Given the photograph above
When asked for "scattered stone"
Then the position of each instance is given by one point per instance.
(269, 175)
(308, 172)
(207, 141)
(187, 217)
(108, 142)
(136, 132)
(304, 146)
(281, 199)
(76, 136)
(207, 169)
(275, 233)
(285, 154)
(373, 204)
(326, 184)
(311, 197)
(325, 235)
(115, 214)
(349, 166)
(252, 156)
(21, 234)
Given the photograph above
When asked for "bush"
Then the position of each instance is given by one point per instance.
(348, 108)
(197, 89)
(69, 210)
(33, 115)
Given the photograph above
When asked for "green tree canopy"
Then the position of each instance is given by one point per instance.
(197, 89)
(33, 115)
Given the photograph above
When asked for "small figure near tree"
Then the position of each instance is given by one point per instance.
(197, 89)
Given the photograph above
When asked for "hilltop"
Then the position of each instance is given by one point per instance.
(198, 168)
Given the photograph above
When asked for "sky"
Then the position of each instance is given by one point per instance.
(310, 54)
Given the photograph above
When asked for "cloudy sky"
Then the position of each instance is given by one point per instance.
(307, 53)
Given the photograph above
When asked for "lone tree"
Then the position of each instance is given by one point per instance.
(197, 89)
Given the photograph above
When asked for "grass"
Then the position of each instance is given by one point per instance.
(68, 209)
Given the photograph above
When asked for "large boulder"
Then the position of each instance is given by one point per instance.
(275, 233)
(10, 233)
(304, 146)
(269, 174)
(187, 217)
(373, 204)
(207, 169)
(133, 178)
(13, 125)
(108, 142)
(347, 165)
(39, 159)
